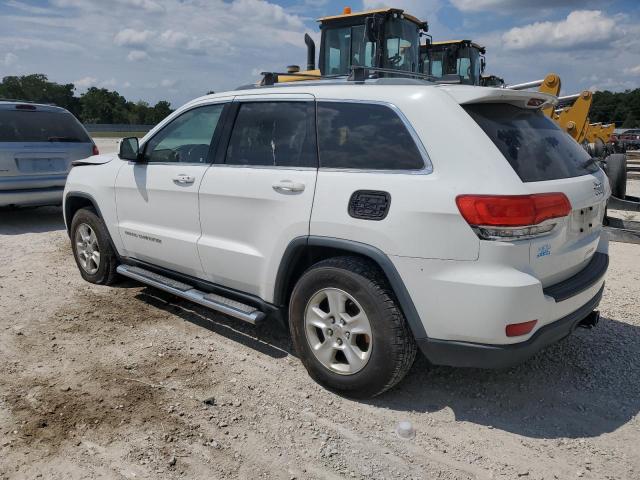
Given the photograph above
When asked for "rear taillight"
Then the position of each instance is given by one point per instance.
(513, 217)
(95, 150)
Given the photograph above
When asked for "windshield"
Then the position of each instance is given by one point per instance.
(40, 126)
(402, 47)
(535, 147)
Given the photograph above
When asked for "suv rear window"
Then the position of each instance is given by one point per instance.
(365, 136)
(40, 126)
(533, 144)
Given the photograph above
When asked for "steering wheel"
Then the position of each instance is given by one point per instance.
(395, 60)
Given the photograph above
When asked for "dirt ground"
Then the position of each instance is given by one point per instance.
(127, 382)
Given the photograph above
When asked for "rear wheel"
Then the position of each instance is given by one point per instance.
(347, 328)
(616, 169)
(91, 247)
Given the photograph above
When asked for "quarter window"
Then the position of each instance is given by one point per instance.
(274, 134)
(365, 136)
(187, 138)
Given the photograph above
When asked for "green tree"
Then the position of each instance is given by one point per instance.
(100, 105)
(96, 105)
(161, 110)
(37, 88)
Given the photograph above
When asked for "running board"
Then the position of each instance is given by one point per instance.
(210, 300)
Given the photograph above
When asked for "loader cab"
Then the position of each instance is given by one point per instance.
(384, 38)
(456, 58)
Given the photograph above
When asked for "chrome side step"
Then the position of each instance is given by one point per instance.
(213, 301)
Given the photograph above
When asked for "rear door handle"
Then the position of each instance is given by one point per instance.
(287, 186)
(183, 179)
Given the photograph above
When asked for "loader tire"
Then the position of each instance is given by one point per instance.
(616, 169)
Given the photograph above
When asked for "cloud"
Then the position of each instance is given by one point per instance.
(132, 38)
(146, 5)
(632, 70)
(581, 28)
(9, 59)
(137, 55)
(505, 6)
(166, 83)
(85, 82)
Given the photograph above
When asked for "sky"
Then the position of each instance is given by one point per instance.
(181, 49)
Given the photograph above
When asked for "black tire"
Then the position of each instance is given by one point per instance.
(616, 169)
(393, 348)
(106, 268)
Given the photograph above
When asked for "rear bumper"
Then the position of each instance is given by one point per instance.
(31, 197)
(478, 355)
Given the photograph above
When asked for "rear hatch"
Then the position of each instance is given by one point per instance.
(548, 160)
(38, 144)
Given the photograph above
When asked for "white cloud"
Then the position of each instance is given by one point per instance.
(9, 59)
(581, 28)
(505, 6)
(85, 82)
(132, 38)
(137, 55)
(166, 83)
(146, 5)
(632, 70)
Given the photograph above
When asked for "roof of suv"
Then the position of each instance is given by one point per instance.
(385, 89)
(13, 104)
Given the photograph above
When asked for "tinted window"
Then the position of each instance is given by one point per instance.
(365, 136)
(273, 134)
(533, 144)
(187, 138)
(40, 126)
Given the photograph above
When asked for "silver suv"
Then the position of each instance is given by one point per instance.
(37, 145)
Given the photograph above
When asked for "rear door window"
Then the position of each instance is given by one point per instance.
(40, 126)
(535, 147)
(366, 137)
(274, 134)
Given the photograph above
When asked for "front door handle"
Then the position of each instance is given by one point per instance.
(287, 186)
(183, 179)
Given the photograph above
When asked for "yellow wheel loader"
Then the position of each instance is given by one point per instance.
(386, 40)
(457, 59)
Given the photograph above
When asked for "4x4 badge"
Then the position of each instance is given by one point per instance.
(598, 188)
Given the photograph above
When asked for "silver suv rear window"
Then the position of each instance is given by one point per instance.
(532, 143)
(40, 126)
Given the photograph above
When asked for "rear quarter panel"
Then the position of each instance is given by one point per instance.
(423, 219)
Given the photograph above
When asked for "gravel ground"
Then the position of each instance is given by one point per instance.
(128, 382)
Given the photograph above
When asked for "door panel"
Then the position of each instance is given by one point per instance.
(157, 199)
(247, 223)
(259, 197)
(158, 214)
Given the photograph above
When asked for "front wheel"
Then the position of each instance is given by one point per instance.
(91, 247)
(347, 328)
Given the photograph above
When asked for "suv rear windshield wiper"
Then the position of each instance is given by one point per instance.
(64, 139)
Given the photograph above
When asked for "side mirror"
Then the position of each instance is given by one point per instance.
(129, 149)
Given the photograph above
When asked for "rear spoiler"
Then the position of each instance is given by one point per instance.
(523, 99)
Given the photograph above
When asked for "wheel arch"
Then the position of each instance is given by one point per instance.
(302, 252)
(74, 201)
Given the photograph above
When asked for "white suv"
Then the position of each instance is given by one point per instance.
(373, 217)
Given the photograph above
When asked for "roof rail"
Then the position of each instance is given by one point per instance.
(360, 73)
(17, 100)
